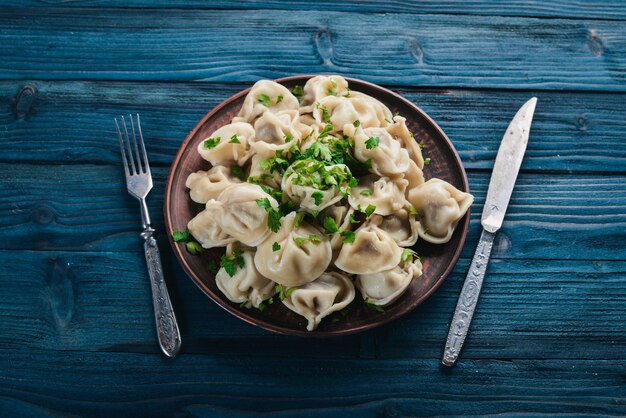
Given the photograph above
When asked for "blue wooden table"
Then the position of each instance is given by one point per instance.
(76, 325)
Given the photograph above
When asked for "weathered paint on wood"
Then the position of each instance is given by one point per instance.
(83, 212)
(395, 49)
(571, 131)
(599, 9)
(85, 301)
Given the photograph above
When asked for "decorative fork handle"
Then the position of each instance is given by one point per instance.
(468, 299)
(166, 325)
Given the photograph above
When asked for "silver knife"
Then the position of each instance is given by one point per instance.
(505, 169)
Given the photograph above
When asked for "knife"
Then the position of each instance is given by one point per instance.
(505, 169)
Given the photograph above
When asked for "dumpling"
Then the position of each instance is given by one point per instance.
(297, 184)
(400, 131)
(206, 185)
(276, 132)
(386, 154)
(372, 250)
(414, 176)
(386, 287)
(401, 226)
(204, 228)
(342, 111)
(299, 259)
(247, 284)
(266, 96)
(384, 193)
(440, 205)
(331, 292)
(322, 86)
(229, 143)
(341, 214)
(259, 174)
(240, 216)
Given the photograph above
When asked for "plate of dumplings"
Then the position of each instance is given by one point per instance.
(317, 205)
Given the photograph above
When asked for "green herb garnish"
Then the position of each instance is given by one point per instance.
(369, 210)
(234, 140)
(348, 236)
(238, 172)
(372, 142)
(283, 292)
(330, 226)
(317, 197)
(426, 161)
(366, 192)
(181, 236)
(264, 99)
(275, 246)
(231, 262)
(408, 254)
(297, 91)
(194, 248)
(356, 123)
(413, 211)
(279, 98)
(371, 305)
(212, 142)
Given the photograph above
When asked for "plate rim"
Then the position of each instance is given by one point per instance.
(462, 226)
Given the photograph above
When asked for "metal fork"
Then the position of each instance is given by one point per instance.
(139, 183)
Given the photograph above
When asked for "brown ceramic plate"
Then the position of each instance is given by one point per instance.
(438, 260)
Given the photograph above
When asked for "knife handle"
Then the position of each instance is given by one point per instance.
(468, 299)
(166, 325)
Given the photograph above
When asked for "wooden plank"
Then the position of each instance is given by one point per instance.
(401, 49)
(126, 384)
(597, 9)
(86, 207)
(70, 122)
(537, 309)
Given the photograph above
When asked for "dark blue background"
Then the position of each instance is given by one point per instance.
(76, 325)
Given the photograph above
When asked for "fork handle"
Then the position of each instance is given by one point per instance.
(166, 325)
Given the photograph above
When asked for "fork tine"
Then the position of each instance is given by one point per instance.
(143, 146)
(137, 155)
(127, 143)
(119, 136)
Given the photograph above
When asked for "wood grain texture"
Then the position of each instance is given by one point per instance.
(597, 9)
(86, 207)
(71, 122)
(84, 301)
(217, 386)
(399, 49)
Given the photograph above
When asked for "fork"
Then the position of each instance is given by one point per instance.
(139, 183)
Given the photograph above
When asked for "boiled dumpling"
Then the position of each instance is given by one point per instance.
(266, 96)
(401, 226)
(262, 176)
(322, 86)
(414, 176)
(276, 132)
(303, 253)
(204, 228)
(385, 287)
(297, 186)
(240, 215)
(228, 144)
(386, 154)
(247, 284)
(400, 131)
(372, 250)
(206, 185)
(331, 292)
(342, 111)
(440, 206)
(384, 193)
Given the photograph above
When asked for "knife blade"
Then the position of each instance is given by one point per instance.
(503, 177)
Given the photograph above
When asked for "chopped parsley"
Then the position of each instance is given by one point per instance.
(372, 142)
(273, 215)
(264, 99)
(396, 114)
(299, 218)
(373, 306)
(369, 210)
(347, 94)
(426, 161)
(311, 238)
(181, 236)
(194, 248)
(234, 140)
(288, 138)
(413, 211)
(348, 236)
(212, 266)
(325, 112)
(279, 98)
(366, 192)
(275, 246)
(231, 262)
(352, 219)
(212, 142)
(356, 123)
(330, 226)
(317, 197)
(297, 91)
(408, 255)
(283, 292)
(238, 172)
